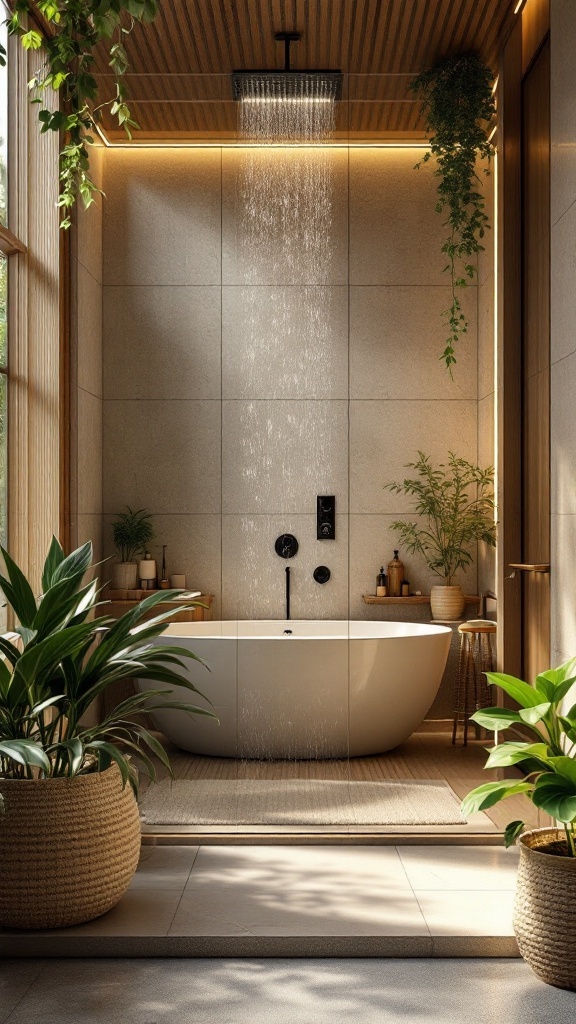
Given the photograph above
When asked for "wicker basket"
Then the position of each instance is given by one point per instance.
(447, 603)
(68, 848)
(545, 909)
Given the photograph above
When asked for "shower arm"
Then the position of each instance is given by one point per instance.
(287, 38)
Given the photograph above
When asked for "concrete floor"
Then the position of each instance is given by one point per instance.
(279, 992)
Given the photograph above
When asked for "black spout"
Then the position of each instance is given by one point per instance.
(287, 571)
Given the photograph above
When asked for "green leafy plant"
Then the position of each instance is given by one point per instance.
(458, 105)
(547, 761)
(75, 28)
(457, 502)
(132, 531)
(55, 668)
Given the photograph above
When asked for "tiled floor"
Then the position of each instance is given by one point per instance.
(279, 992)
(301, 900)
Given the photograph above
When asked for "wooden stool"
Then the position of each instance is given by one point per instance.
(471, 690)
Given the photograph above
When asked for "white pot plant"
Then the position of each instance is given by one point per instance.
(69, 823)
(455, 505)
(545, 906)
(132, 531)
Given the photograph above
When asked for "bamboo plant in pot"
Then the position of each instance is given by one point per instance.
(132, 531)
(545, 906)
(69, 823)
(455, 505)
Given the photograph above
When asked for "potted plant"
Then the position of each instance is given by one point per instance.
(458, 106)
(456, 504)
(545, 906)
(69, 823)
(132, 531)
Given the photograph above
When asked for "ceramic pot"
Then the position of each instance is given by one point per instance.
(545, 908)
(447, 603)
(125, 575)
(68, 848)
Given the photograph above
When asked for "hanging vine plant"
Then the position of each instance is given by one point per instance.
(458, 105)
(74, 29)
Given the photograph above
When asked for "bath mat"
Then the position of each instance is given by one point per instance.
(299, 802)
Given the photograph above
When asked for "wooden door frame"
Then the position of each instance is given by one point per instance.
(521, 49)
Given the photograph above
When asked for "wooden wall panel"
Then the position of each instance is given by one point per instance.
(509, 393)
(34, 402)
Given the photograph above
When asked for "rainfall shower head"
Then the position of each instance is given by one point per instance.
(287, 84)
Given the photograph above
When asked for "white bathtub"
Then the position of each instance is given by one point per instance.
(325, 689)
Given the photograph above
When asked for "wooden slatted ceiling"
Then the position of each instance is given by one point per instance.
(194, 38)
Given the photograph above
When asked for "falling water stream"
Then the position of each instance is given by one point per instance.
(285, 200)
(285, 206)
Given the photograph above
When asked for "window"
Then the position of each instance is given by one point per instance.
(10, 248)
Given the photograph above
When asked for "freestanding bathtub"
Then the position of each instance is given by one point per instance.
(302, 689)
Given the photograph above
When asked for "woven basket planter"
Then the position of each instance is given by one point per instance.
(545, 909)
(447, 603)
(68, 848)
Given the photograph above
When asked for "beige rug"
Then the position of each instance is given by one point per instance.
(299, 802)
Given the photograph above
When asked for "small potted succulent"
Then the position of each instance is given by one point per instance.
(132, 531)
(455, 503)
(69, 823)
(545, 907)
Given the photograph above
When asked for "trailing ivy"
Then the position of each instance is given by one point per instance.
(458, 105)
(77, 27)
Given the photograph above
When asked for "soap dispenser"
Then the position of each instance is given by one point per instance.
(395, 576)
(381, 583)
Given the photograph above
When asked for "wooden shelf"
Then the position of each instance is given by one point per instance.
(412, 599)
(200, 609)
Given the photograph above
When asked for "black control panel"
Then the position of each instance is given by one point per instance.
(326, 517)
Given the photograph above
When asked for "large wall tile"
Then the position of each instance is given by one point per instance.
(253, 575)
(384, 436)
(563, 594)
(89, 332)
(486, 257)
(162, 217)
(194, 548)
(89, 468)
(486, 453)
(562, 444)
(284, 216)
(562, 304)
(278, 455)
(562, 121)
(395, 233)
(372, 544)
(89, 231)
(396, 337)
(164, 456)
(486, 378)
(285, 342)
(162, 342)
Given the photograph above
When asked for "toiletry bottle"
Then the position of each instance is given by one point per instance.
(395, 576)
(405, 585)
(381, 583)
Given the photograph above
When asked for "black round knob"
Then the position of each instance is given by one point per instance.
(321, 574)
(286, 545)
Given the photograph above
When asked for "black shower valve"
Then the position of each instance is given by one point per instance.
(325, 517)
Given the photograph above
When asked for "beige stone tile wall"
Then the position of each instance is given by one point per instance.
(228, 405)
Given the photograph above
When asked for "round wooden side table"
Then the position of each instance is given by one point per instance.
(471, 688)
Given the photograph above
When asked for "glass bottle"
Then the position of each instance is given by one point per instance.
(381, 583)
(395, 576)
